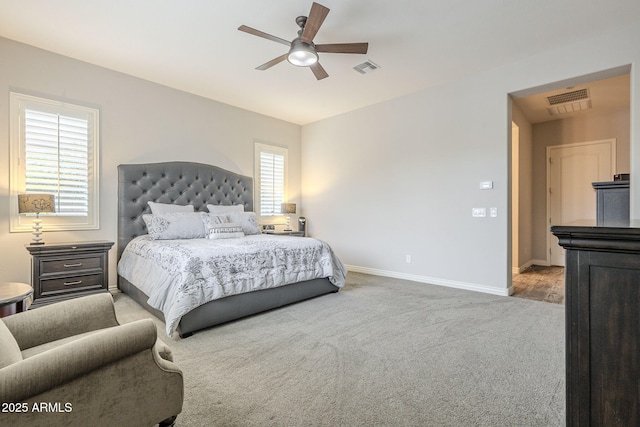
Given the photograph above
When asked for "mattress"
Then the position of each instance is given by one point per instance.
(180, 275)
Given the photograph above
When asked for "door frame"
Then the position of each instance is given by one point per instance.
(613, 152)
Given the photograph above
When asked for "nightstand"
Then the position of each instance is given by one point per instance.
(61, 271)
(287, 233)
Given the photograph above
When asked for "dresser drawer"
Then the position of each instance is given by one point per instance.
(72, 283)
(50, 266)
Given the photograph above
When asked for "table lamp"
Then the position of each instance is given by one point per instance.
(35, 204)
(288, 209)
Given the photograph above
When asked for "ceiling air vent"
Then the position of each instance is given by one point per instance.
(366, 67)
(569, 102)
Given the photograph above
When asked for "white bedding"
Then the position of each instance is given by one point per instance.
(180, 275)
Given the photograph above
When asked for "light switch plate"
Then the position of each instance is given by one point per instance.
(493, 212)
(479, 212)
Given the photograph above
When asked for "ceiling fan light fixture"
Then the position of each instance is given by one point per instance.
(302, 54)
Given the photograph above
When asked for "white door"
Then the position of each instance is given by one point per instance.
(571, 170)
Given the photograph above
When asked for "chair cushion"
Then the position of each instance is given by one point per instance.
(9, 350)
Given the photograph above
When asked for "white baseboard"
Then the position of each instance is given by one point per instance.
(526, 265)
(431, 280)
(542, 262)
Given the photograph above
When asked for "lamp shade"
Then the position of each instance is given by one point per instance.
(35, 203)
(288, 208)
(302, 54)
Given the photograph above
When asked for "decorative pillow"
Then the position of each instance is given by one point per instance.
(223, 209)
(175, 225)
(229, 230)
(248, 220)
(211, 219)
(160, 208)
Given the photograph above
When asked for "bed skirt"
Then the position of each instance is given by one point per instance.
(235, 307)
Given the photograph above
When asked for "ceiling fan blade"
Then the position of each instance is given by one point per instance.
(318, 71)
(316, 17)
(343, 48)
(263, 35)
(271, 63)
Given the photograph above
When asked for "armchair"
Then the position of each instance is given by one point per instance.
(71, 363)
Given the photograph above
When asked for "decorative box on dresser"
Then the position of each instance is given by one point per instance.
(602, 303)
(60, 271)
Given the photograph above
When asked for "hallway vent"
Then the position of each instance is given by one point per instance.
(569, 102)
(563, 98)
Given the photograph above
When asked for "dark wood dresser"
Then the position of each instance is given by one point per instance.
(67, 270)
(612, 202)
(602, 302)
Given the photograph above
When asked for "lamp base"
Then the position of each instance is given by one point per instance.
(37, 231)
(287, 226)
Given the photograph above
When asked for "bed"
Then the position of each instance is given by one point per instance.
(187, 183)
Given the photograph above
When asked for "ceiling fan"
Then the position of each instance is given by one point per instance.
(302, 51)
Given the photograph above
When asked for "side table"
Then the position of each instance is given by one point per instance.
(13, 297)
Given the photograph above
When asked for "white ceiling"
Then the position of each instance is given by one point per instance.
(194, 45)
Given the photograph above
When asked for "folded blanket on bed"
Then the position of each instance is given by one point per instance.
(180, 275)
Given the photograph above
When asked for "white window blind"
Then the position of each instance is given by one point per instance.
(54, 149)
(272, 184)
(271, 172)
(57, 160)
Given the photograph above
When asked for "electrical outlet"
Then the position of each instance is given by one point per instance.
(486, 185)
(493, 212)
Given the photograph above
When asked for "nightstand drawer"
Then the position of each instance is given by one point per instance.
(48, 266)
(71, 283)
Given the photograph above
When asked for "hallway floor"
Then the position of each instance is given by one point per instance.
(541, 284)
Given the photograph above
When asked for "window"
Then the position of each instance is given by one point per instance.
(54, 150)
(271, 179)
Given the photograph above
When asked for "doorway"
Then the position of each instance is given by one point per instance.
(605, 116)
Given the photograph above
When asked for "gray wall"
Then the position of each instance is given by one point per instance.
(140, 122)
(401, 177)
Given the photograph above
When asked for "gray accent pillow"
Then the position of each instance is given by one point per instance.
(160, 208)
(175, 225)
(249, 221)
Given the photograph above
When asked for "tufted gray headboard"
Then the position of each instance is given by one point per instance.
(181, 183)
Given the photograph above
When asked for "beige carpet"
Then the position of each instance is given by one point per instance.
(382, 352)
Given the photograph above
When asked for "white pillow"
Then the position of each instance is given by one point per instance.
(229, 230)
(223, 209)
(248, 220)
(175, 225)
(160, 208)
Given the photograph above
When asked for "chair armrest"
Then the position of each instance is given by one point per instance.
(63, 364)
(61, 320)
